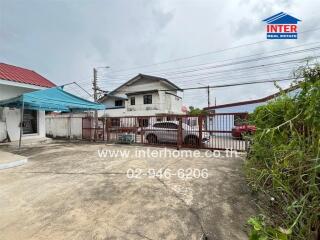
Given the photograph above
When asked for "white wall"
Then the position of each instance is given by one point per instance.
(7, 92)
(10, 118)
(140, 106)
(173, 103)
(64, 126)
(3, 131)
(162, 103)
(110, 102)
(41, 127)
(143, 85)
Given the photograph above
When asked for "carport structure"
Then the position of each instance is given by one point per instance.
(52, 99)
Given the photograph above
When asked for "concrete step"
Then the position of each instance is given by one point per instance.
(9, 160)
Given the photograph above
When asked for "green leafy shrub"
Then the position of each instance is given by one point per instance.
(283, 164)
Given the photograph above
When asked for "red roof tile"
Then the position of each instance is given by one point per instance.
(22, 75)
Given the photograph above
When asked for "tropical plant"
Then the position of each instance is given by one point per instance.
(196, 111)
(283, 164)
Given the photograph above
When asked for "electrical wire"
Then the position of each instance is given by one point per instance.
(225, 60)
(206, 53)
(208, 74)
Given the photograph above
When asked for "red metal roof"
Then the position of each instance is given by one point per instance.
(22, 75)
(267, 98)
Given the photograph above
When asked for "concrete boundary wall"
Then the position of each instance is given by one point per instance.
(3, 131)
(64, 126)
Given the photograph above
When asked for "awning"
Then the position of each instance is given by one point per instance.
(52, 99)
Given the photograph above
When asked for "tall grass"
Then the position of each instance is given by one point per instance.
(283, 165)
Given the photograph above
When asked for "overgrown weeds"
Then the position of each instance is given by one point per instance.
(283, 164)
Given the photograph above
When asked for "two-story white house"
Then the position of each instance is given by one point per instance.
(143, 95)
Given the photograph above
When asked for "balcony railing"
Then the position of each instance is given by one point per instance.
(144, 107)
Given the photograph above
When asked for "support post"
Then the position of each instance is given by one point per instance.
(70, 126)
(108, 129)
(95, 96)
(208, 93)
(21, 123)
(200, 130)
(179, 136)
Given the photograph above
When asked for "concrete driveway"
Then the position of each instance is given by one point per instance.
(66, 191)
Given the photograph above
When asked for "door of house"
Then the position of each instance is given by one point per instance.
(30, 121)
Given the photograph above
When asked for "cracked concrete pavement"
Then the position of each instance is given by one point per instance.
(66, 191)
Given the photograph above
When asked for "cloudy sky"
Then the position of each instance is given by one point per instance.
(190, 39)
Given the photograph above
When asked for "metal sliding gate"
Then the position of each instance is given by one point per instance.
(215, 131)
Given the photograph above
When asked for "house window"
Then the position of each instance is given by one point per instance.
(30, 121)
(147, 99)
(118, 103)
(133, 101)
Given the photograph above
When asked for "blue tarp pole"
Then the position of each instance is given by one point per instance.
(21, 123)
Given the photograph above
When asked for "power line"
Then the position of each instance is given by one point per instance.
(243, 68)
(274, 69)
(204, 54)
(244, 83)
(225, 60)
(225, 78)
(112, 79)
(247, 61)
(223, 85)
(83, 89)
(208, 74)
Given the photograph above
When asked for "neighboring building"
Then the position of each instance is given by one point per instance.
(143, 95)
(239, 110)
(250, 105)
(15, 81)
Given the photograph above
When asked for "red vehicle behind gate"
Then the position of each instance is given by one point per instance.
(239, 131)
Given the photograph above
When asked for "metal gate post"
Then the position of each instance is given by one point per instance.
(136, 127)
(140, 121)
(200, 130)
(82, 128)
(107, 129)
(179, 140)
(103, 127)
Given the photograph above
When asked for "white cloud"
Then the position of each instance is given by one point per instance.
(64, 40)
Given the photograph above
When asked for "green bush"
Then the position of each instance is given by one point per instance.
(283, 164)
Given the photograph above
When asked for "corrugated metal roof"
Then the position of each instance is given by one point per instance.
(51, 99)
(260, 100)
(22, 75)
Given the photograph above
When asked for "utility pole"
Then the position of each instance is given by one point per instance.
(94, 83)
(95, 97)
(208, 93)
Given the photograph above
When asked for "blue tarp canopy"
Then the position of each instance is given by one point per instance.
(52, 99)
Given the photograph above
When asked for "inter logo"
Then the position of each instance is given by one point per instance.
(282, 26)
